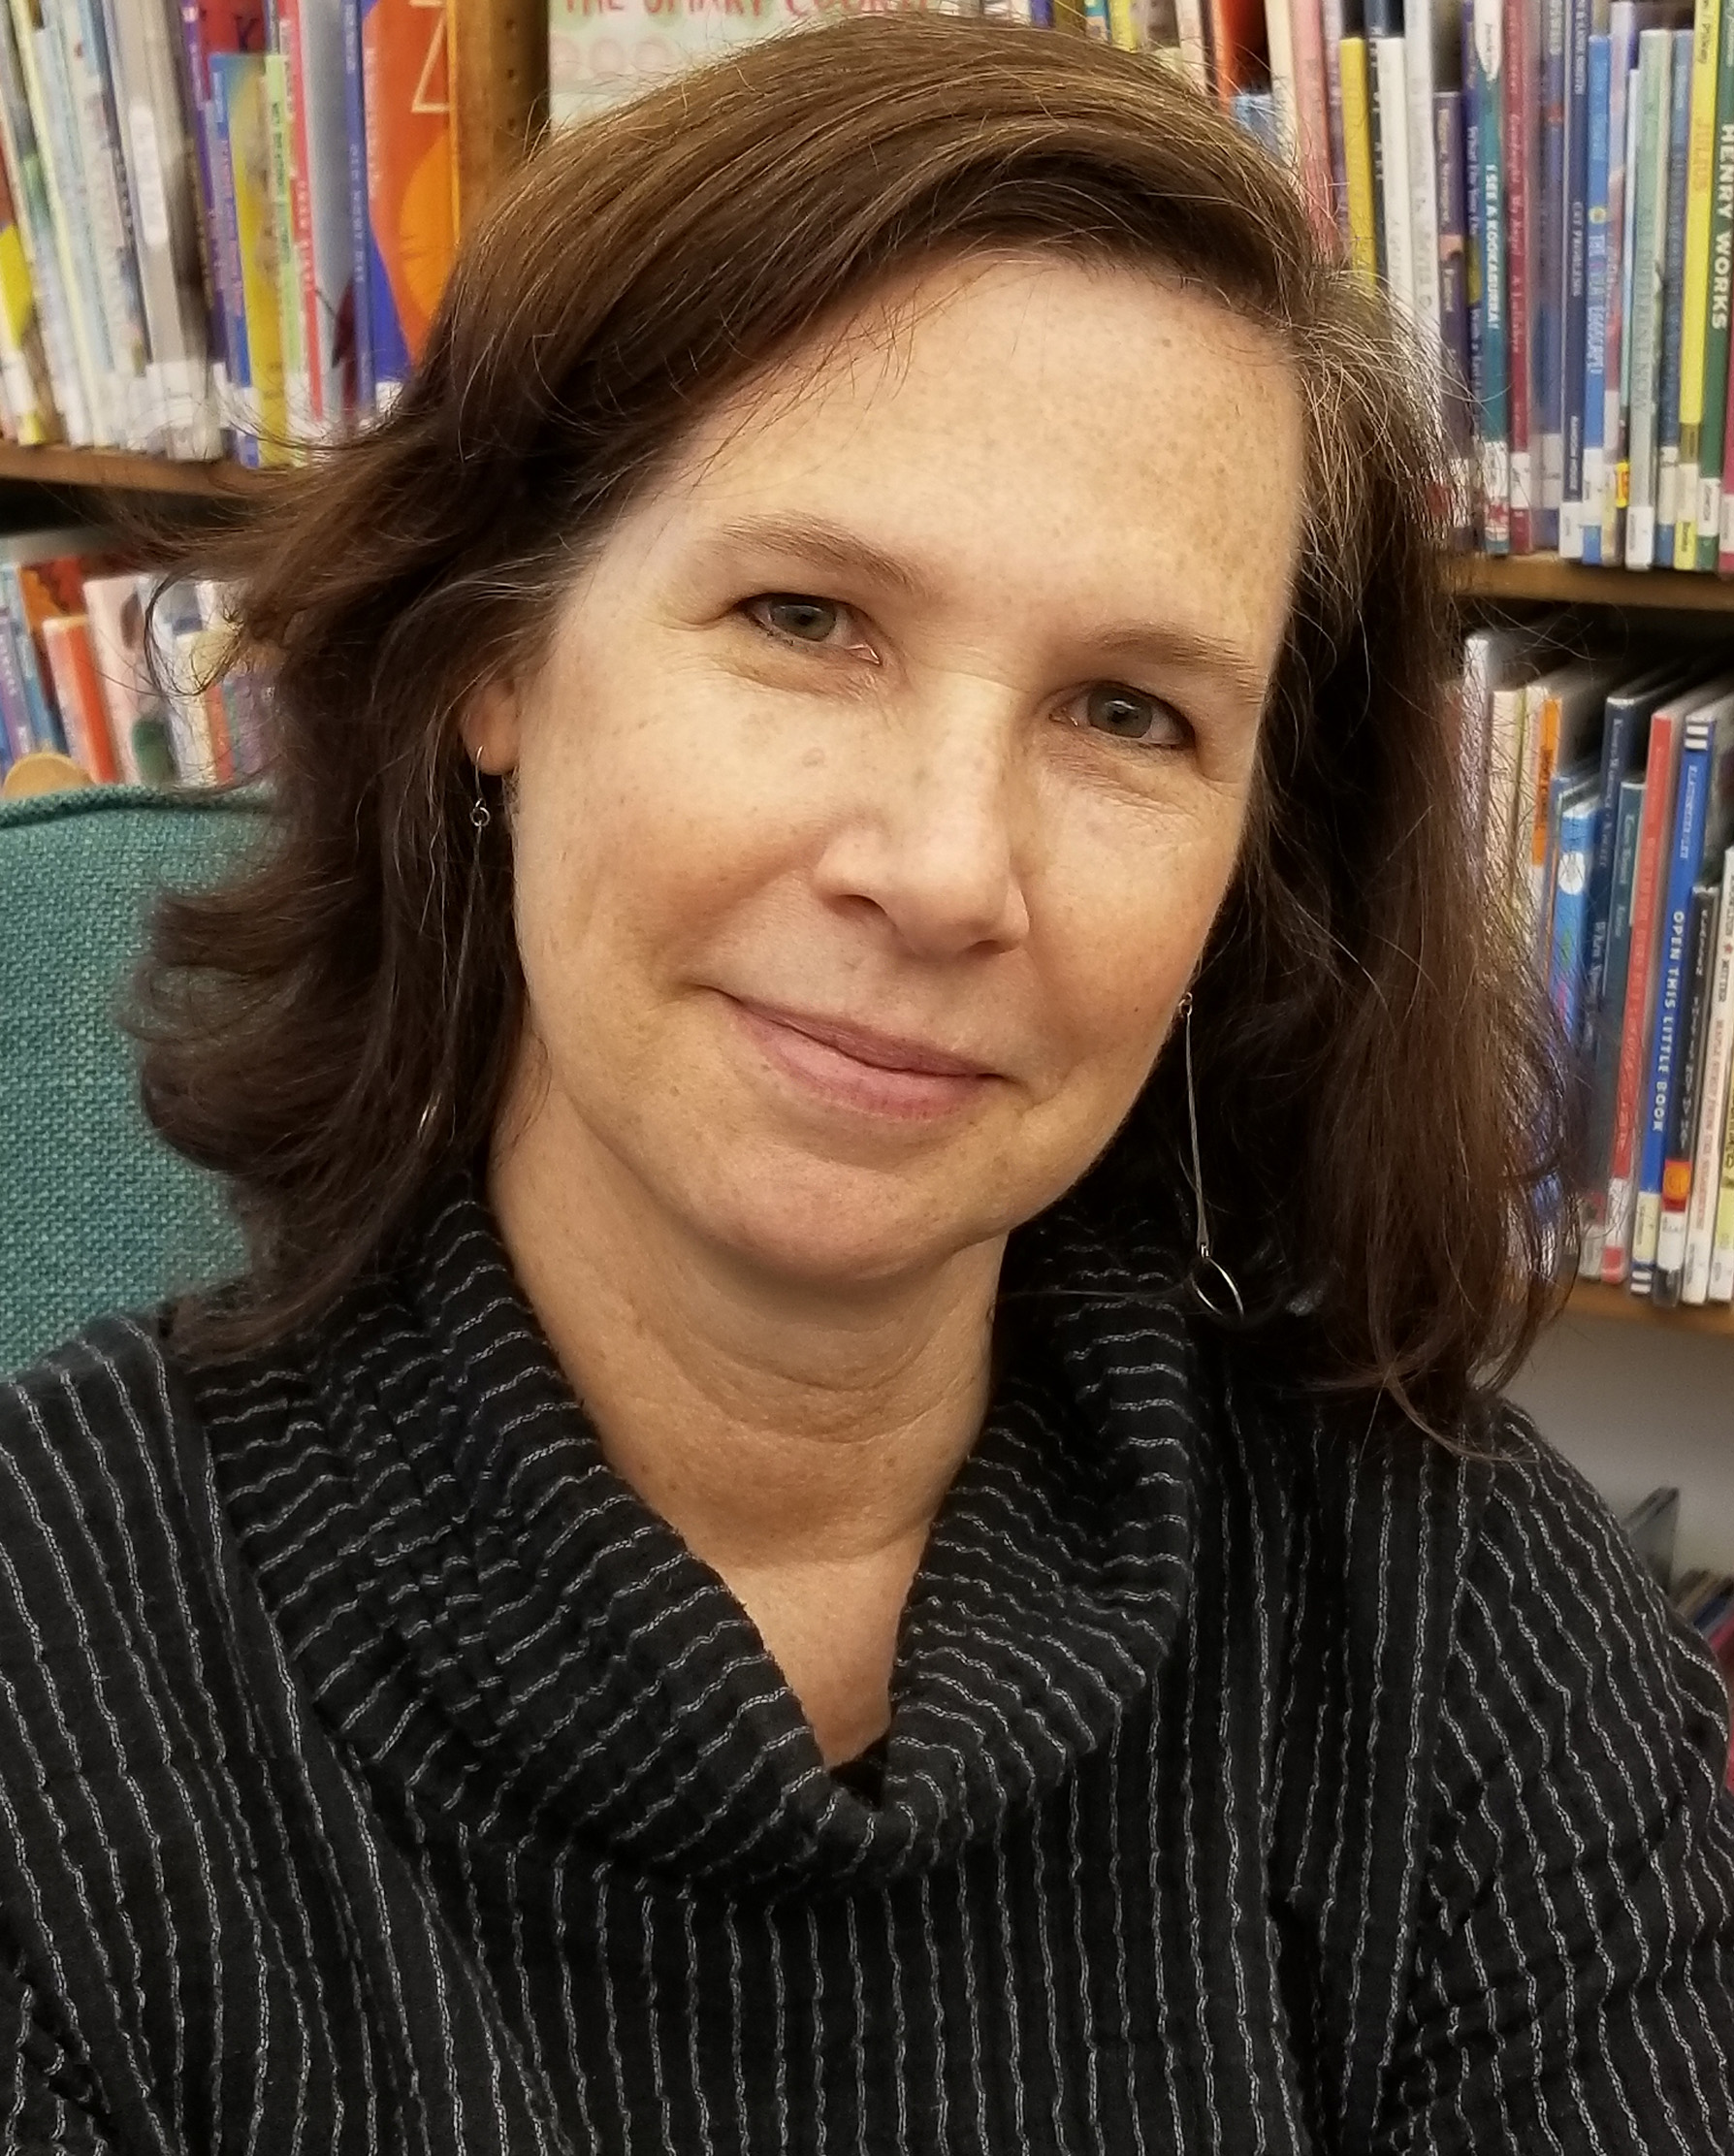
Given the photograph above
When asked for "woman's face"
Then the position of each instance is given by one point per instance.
(889, 764)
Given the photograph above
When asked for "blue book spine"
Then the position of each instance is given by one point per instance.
(1568, 967)
(1667, 396)
(45, 713)
(1550, 279)
(1605, 1085)
(361, 229)
(15, 709)
(228, 249)
(1684, 859)
(1622, 732)
(1496, 400)
(1595, 292)
(1576, 299)
(1474, 294)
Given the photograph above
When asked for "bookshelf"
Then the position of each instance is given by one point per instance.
(1543, 579)
(497, 52)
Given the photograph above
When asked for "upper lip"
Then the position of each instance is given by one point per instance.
(886, 1051)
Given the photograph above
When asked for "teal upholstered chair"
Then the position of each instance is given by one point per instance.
(96, 1213)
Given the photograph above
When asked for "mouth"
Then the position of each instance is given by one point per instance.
(855, 1066)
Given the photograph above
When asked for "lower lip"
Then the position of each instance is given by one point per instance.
(845, 1082)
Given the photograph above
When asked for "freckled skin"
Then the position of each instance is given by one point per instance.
(917, 844)
(979, 788)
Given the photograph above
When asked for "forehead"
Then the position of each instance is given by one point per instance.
(1067, 430)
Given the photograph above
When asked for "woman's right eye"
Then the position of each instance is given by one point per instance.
(792, 614)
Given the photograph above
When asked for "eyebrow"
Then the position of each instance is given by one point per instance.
(831, 546)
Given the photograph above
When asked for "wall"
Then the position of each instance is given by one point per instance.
(1637, 1404)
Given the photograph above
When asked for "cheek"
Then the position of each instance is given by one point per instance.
(1133, 898)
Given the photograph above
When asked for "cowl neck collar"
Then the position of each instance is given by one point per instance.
(495, 1623)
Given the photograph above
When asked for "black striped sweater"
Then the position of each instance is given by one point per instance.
(378, 1774)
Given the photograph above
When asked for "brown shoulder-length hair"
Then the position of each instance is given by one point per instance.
(1379, 1109)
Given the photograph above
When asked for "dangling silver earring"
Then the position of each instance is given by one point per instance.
(480, 814)
(1211, 1282)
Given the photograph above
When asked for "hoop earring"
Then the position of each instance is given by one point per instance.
(1210, 1281)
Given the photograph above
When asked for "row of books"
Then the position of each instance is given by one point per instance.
(1704, 1598)
(1544, 188)
(224, 224)
(1601, 791)
(128, 679)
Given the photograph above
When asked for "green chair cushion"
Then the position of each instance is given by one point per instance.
(98, 1213)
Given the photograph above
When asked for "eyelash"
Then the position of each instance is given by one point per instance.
(750, 607)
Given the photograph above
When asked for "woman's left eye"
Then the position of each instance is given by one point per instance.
(794, 614)
(1130, 715)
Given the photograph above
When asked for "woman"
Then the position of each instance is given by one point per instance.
(856, 1499)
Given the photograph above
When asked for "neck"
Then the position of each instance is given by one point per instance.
(799, 1439)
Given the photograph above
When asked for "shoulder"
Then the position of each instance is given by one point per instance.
(1568, 1666)
(105, 1503)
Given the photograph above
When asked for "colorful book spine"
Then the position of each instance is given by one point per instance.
(1595, 305)
(75, 71)
(1719, 1060)
(313, 35)
(1495, 402)
(1610, 1027)
(1575, 315)
(1357, 123)
(1713, 438)
(1474, 296)
(1667, 423)
(1619, 362)
(1656, 64)
(51, 119)
(1681, 1148)
(238, 83)
(288, 268)
(1390, 162)
(1694, 315)
(14, 708)
(1424, 192)
(1523, 86)
(1547, 217)
(360, 237)
(36, 235)
(1569, 925)
(205, 46)
(66, 640)
(410, 180)
(33, 677)
(162, 191)
(24, 372)
(1454, 308)
(1684, 858)
(1641, 985)
(1335, 28)
(1312, 117)
(1622, 52)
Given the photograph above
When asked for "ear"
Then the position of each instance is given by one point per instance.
(490, 728)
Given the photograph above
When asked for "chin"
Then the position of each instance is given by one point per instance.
(842, 1229)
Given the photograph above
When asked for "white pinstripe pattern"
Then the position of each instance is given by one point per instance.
(500, 1834)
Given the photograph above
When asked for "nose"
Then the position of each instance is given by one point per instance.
(929, 835)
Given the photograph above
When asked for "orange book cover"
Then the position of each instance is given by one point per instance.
(406, 81)
(72, 668)
(54, 589)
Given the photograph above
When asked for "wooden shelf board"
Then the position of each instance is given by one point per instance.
(118, 471)
(1532, 578)
(1588, 1299)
